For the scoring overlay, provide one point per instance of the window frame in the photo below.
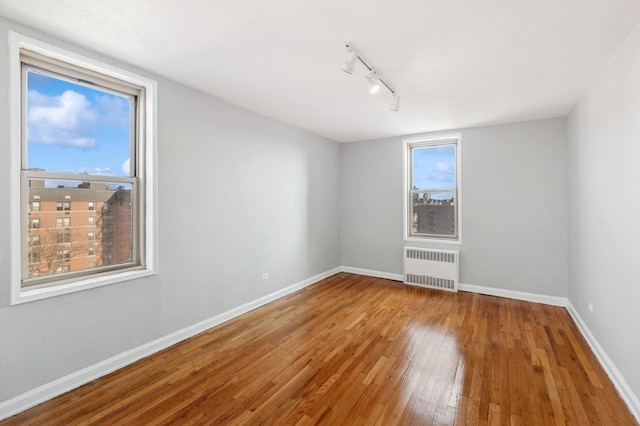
(145, 162)
(421, 142)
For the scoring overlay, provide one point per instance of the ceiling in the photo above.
(456, 63)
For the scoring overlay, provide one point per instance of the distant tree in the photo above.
(56, 248)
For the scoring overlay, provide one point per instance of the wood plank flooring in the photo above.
(355, 350)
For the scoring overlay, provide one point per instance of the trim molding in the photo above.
(491, 291)
(372, 273)
(518, 295)
(71, 381)
(609, 367)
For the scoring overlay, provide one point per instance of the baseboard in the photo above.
(491, 291)
(609, 367)
(372, 273)
(518, 295)
(64, 384)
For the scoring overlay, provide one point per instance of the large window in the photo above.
(432, 189)
(84, 136)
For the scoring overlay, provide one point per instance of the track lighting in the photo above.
(350, 63)
(374, 78)
(374, 81)
(395, 105)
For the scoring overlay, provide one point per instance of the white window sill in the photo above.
(432, 240)
(24, 296)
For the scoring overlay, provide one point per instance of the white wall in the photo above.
(514, 206)
(239, 194)
(604, 210)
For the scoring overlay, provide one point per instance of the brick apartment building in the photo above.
(434, 217)
(78, 228)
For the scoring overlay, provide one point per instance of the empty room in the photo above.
(319, 212)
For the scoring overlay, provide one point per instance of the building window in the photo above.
(432, 189)
(63, 222)
(63, 206)
(62, 269)
(63, 238)
(91, 236)
(92, 251)
(63, 255)
(91, 264)
(35, 223)
(72, 111)
(35, 240)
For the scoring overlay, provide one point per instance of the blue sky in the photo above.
(434, 167)
(75, 129)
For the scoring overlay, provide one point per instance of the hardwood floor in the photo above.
(355, 350)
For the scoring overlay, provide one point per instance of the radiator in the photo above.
(431, 268)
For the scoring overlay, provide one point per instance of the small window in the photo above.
(91, 251)
(432, 193)
(63, 238)
(84, 134)
(63, 222)
(63, 255)
(62, 269)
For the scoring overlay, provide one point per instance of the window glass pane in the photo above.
(433, 213)
(434, 167)
(69, 244)
(76, 129)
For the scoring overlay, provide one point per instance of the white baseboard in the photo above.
(64, 384)
(518, 295)
(609, 367)
(372, 273)
(510, 294)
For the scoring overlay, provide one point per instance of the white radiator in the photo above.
(431, 268)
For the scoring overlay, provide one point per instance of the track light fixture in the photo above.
(395, 105)
(350, 63)
(374, 77)
(374, 81)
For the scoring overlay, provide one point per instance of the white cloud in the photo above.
(61, 120)
(126, 167)
(442, 172)
(99, 171)
(442, 167)
(70, 119)
(112, 109)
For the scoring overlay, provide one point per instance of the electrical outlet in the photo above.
(265, 276)
(590, 307)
